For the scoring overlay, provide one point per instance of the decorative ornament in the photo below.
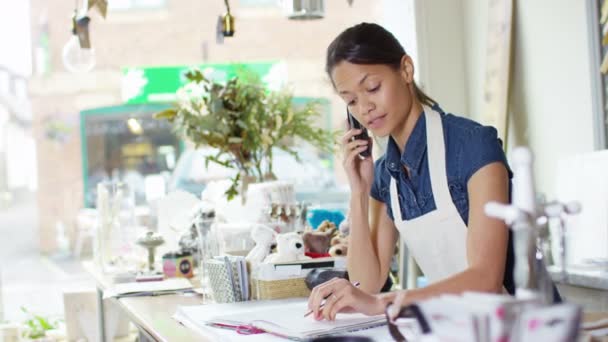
(150, 241)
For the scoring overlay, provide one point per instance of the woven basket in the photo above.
(277, 289)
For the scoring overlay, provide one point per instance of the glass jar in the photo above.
(116, 231)
(209, 247)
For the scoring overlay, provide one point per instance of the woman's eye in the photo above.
(350, 103)
(374, 89)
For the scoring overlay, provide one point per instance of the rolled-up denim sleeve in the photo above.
(482, 147)
(381, 181)
(376, 192)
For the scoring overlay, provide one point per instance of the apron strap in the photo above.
(437, 167)
(395, 205)
(436, 158)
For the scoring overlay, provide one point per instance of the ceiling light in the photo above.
(135, 126)
(77, 53)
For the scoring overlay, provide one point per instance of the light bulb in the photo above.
(77, 59)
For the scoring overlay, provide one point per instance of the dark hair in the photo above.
(368, 43)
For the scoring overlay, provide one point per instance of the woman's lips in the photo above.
(376, 122)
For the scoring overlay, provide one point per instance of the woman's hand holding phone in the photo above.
(357, 162)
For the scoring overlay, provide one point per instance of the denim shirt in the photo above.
(469, 146)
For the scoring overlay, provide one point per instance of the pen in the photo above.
(154, 293)
(355, 284)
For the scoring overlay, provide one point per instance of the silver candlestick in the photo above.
(150, 241)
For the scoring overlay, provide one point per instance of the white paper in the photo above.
(150, 287)
(284, 317)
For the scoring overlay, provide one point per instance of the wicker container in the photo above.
(287, 280)
(278, 289)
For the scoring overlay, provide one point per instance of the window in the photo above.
(126, 143)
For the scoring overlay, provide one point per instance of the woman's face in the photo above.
(379, 96)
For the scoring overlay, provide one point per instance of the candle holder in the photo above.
(150, 241)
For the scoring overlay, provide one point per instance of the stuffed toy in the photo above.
(339, 239)
(290, 247)
(317, 242)
(339, 250)
(327, 225)
(339, 245)
(263, 236)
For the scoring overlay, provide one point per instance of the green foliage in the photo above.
(244, 120)
(37, 325)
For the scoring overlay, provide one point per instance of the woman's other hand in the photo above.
(360, 172)
(395, 307)
(342, 296)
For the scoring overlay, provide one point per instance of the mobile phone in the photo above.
(354, 124)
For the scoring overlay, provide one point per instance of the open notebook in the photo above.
(279, 317)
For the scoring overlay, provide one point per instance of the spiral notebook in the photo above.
(284, 318)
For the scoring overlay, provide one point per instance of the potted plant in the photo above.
(243, 120)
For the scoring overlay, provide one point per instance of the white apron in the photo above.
(437, 240)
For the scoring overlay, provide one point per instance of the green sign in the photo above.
(159, 84)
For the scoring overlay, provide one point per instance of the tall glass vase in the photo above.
(209, 247)
(115, 234)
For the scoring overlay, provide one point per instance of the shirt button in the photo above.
(391, 165)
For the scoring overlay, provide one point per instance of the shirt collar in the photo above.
(414, 149)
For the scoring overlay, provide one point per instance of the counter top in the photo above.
(585, 276)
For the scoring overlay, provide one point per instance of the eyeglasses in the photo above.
(409, 311)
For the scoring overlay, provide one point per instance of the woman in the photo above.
(429, 187)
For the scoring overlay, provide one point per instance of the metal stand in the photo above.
(101, 324)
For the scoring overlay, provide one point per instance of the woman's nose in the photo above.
(365, 106)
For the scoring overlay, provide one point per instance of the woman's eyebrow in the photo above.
(363, 79)
(360, 82)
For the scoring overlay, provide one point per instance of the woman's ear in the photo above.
(407, 69)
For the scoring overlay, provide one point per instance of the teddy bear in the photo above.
(339, 245)
(327, 225)
(290, 247)
(317, 242)
(263, 236)
(339, 239)
(339, 250)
